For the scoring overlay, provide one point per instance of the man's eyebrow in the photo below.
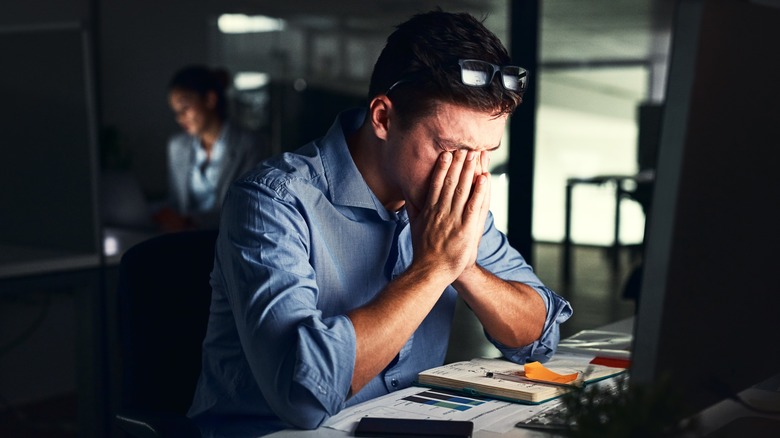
(453, 144)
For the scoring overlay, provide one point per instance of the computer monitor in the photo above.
(709, 309)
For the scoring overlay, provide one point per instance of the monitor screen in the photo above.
(709, 309)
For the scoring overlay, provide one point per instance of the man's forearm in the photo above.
(512, 313)
(383, 326)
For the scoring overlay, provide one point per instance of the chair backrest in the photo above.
(164, 299)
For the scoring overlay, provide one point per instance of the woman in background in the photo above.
(208, 155)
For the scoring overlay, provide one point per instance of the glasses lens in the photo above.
(514, 78)
(476, 73)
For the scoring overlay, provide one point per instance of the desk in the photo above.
(82, 276)
(711, 419)
(118, 240)
(622, 326)
(17, 261)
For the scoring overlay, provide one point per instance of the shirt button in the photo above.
(394, 383)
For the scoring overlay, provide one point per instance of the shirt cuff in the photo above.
(558, 311)
(326, 353)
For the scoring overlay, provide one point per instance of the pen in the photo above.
(522, 379)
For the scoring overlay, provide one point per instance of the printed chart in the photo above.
(444, 399)
(426, 403)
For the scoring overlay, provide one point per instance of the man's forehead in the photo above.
(459, 128)
(451, 143)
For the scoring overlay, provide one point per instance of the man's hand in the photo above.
(447, 230)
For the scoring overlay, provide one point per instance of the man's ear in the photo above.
(379, 111)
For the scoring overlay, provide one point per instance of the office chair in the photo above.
(164, 299)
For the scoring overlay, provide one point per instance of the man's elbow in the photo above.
(521, 335)
(302, 411)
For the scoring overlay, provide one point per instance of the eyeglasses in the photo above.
(476, 73)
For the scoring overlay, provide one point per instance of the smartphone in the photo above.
(377, 427)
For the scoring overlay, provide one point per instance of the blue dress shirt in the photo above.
(303, 241)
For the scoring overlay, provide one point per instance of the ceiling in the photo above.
(604, 30)
(572, 31)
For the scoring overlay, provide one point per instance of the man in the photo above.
(338, 266)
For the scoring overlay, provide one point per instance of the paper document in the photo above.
(426, 403)
(598, 343)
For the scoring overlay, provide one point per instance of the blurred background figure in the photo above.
(208, 154)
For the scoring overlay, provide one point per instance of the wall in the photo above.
(44, 11)
(141, 44)
(139, 51)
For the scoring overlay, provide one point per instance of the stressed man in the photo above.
(338, 266)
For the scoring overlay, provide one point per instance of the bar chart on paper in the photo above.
(427, 403)
(444, 400)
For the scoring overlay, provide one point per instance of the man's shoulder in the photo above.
(300, 167)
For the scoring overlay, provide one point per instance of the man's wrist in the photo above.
(430, 272)
(471, 275)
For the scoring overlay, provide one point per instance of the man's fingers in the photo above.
(457, 184)
(486, 202)
(438, 176)
(478, 203)
(462, 191)
(485, 161)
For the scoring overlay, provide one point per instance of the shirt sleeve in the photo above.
(302, 361)
(498, 257)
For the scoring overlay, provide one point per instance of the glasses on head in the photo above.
(476, 73)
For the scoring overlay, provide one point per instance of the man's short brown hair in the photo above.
(423, 54)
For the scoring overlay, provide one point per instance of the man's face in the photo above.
(411, 154)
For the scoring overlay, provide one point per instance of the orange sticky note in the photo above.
(537, 371)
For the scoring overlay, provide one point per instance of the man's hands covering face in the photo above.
(447, 229)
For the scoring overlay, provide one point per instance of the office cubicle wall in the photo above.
(49, 158)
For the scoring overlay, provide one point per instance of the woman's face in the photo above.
(193, 112)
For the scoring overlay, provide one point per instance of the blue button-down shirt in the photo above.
(303, 241)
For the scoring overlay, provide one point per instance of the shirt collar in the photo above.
(346, 185)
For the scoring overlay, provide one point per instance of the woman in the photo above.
(210, 153)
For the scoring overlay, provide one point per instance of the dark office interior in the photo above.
(87, 158)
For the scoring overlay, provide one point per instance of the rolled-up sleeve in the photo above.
(301, 361)
(542, 349)
(497, 256)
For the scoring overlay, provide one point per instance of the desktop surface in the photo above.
(503, 427)
(22, 261)
(720, 420)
